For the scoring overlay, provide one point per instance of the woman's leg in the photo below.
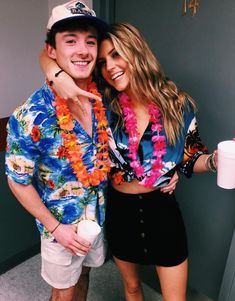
(131, 280)
(173, 281)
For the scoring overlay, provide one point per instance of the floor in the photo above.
(23, 283)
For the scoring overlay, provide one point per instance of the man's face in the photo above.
(76, 53)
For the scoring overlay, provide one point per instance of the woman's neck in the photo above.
(136, 101)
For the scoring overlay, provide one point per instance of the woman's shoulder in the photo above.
(189, 109)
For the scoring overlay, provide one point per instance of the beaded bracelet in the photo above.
(55, 227)
(56, 75)
(210, 163)
(206, 163)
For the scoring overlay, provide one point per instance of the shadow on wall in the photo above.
(18, 232)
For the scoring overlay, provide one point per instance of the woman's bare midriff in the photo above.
(133, 187)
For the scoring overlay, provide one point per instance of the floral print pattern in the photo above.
(36, 155)
(182, 156)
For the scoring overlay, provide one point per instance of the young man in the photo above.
(57, 158)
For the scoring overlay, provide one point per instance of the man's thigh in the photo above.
(61, 269)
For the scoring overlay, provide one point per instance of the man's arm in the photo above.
(31, 201)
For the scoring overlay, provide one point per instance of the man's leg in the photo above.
(74, 293)
(62, 294)
(65, 273)
(81, 288)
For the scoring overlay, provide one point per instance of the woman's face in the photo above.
(114, 68)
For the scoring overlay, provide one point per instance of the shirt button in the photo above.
(142, 234)
(141, 210)
(145, 250)
(142, 221)
(140, 197)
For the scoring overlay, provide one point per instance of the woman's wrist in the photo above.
(56, 74)
(210, 163)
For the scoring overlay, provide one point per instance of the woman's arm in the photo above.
(206, 163)
(48, 65)
(63, 84)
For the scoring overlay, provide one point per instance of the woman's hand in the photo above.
(172, 184)
(65, 86)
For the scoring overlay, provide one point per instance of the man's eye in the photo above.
(92, 43)
(71, 42)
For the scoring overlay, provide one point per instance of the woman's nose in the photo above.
(110, 64)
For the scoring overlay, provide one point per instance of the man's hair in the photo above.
(71, 25)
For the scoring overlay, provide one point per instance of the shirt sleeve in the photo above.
(21, 152)
(193, 146)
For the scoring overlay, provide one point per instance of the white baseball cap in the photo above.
(76, 10)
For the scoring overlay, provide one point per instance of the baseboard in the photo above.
(18, 258)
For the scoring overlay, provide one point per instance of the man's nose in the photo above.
(82, 49)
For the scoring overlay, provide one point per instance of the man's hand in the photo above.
(67, 236)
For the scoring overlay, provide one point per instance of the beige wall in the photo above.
(22, 34)
(52, 3)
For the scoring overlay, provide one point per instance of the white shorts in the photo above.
(61, 269)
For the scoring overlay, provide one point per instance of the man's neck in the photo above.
(82, 104)
(82, 84)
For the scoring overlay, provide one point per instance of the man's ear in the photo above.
(51, 51)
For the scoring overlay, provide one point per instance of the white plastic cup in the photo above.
(226, 164)
(89, 230)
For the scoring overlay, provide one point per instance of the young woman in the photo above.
(155, 133)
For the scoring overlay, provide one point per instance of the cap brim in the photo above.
(101, 26)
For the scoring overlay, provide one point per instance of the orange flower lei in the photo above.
(73, 150)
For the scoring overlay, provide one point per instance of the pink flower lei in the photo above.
(159, 143)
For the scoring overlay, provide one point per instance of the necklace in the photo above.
(159, 144)
(71, 148)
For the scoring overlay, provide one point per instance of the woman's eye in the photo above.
(115, 54)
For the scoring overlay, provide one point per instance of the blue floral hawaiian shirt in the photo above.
(35, 156)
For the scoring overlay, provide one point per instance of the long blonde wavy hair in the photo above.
(147, 80)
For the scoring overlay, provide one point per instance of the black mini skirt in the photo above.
(146, 228)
